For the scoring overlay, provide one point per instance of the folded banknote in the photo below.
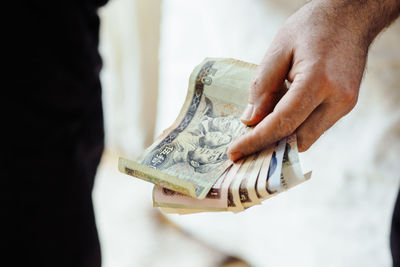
(188, 163)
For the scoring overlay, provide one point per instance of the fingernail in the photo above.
(248, 113)
(236, 155)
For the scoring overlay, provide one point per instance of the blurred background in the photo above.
(341, 217)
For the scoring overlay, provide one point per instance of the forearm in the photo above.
(367, 17)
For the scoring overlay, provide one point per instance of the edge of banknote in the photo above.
(156, 177)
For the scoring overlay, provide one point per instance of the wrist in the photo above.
(366, 19)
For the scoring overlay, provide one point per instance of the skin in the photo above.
(322, 50)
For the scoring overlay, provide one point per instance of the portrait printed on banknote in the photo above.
(203, 144)
(193, 150)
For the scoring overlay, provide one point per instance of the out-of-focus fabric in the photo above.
(129, 47)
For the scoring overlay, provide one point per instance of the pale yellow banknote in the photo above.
(190, 155)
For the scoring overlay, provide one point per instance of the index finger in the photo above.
(290, 112)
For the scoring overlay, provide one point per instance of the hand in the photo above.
(322, 51)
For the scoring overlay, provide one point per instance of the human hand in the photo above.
(322, 50)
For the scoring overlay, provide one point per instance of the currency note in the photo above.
(262, 178)
(274, 174)
(244, 193)
(183, 211)
(216, 199)
(191, 155)
(290, 177)
(234, 199)
(292, 173)
(248, 192)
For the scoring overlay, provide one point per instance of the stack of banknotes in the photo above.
(188, 163)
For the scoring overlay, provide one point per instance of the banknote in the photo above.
(261, 184)
(215, 199)
(190, 155)
(248, 191)
(183, 211)
(235, 201)
(292, 173)
(188, 162)
(249, 183)
(246, 198)
(274, 175)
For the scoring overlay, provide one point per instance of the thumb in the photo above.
(266, 88)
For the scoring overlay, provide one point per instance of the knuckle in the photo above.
(302, 143)
(262, 98)
(257, 138)
(259, 114)
(325, 85)
(348, 96)
(285, 126)
(351, 105)
(255, 85)
(302, 146)
(342, 95)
